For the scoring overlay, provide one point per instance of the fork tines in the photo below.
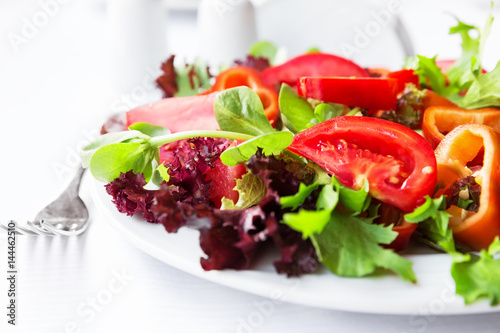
(30, 229)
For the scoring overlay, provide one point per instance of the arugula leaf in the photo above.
(251, 188)
(240, 110)
(271, 143)
(149, 129)
(349, 246)
(296, 111)
(264, 49)
(477, 276)
(310, 222)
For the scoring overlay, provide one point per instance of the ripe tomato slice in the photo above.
(311, 64)
(369, 93)
(398, 163)
(223, 180)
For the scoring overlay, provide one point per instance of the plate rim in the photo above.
(251, 281)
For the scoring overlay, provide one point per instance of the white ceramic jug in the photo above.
(226, 30)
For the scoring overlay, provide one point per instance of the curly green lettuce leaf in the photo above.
(310, 222)
(433, 223)
(296, 200)
(350, 246)
(465, 75)
(163, 172)
(251, 190)
(476, 276)
(430, 75)
(354, 200)
(484, 91)
(468, 67)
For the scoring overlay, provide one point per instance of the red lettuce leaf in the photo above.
(283, 178)
(168, 80)
(229, 238)
(258, 63)
(189, 161)
(129, 195)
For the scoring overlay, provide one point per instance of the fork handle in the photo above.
(74, 185)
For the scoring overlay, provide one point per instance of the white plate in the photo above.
(433, 295)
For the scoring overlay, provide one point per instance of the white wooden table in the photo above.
(54, 93)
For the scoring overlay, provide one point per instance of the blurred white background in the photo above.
(60, 78)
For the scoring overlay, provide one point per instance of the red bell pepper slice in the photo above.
(368, 93)
(403, 77)
(311, 64)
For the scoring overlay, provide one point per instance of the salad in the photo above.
(334, 164)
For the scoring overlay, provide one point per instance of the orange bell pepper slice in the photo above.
(433, 99)
(246, 76)
(458, 148)
(439, 120)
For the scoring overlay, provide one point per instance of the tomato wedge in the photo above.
(398, 163)
(311, 64)
(223, 180)
(368, 93)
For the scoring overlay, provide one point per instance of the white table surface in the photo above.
(54, 93)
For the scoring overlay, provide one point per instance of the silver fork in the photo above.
(65, 216)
